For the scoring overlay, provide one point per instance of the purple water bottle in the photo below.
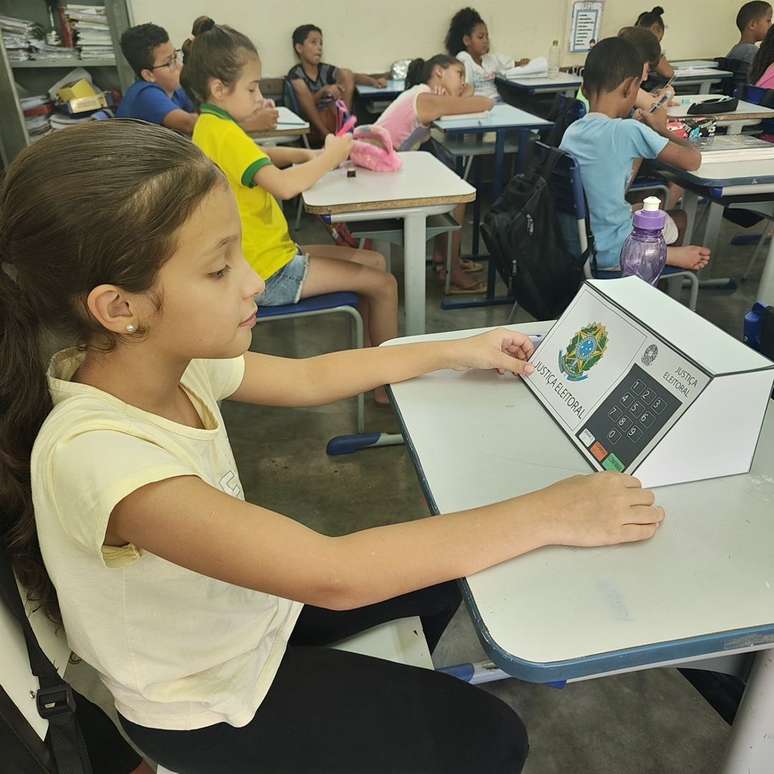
(644, 252)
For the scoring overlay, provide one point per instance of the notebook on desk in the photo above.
(734, 147)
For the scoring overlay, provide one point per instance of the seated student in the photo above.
(318, 85)
(654, 21)
(205, 615)
(753, 21)
(607, 145)
(468, 40)
(222, 73)
(156, 95)
(762, 70)
(436, 88)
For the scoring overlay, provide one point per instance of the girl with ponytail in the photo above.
(654, 21)
(123, 510)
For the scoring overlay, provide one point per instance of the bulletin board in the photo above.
(585, 25)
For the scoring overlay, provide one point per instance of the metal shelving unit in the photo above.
(36, 76)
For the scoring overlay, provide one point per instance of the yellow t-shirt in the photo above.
(178, 650)
(266, 241)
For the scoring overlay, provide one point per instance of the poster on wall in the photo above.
(586, 25)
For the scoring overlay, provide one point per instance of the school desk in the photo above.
(701, 77)
(564, 83)
(288, 125)
(745, 114)
(424, 186)
(386, 93)
(724, 183)
(501, 120)
(703, 587)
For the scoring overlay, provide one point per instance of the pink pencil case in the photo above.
(372, 149)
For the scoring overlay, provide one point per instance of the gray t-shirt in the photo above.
(744, 51)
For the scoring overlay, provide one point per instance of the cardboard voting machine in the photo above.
(641, 384)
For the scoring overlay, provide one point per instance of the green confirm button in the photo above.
(613, 463)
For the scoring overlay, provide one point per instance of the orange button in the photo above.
(599, 451)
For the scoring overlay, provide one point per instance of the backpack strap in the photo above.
(54, 699)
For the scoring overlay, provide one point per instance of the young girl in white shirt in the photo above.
(468, 40)
(123, 511)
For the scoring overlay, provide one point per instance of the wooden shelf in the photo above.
(32, 64)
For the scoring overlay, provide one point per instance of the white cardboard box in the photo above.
(641, 384)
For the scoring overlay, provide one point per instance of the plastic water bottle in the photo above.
(644, 252)
(553, 60)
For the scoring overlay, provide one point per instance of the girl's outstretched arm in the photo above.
(314, 381)
(194, 525)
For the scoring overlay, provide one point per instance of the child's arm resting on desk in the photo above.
(314, 381)
(282, 156)
(180, 120)
(430, 107)
(677, 152)
(287, 183)
(194, 525)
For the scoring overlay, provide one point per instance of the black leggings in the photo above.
(331, 711)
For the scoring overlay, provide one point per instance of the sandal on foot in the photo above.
(471, 266)
(473, 290)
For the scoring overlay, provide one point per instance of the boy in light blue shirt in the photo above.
(609, 148)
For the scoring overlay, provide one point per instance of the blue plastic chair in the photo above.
(336, 303)
(570, 205)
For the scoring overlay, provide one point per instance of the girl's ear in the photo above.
(112, 308)
(466, 41)
(217, 88)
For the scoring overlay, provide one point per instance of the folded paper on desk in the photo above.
(537, 68)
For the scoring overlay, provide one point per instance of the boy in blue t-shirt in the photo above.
(156, 96)
(609, 148)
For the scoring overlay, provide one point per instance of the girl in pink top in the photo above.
(436, 88)
(762, 69)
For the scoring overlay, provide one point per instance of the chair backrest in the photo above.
(289, 97)
(565, 111)
(739, 69)
(757, 95)
(570, 204)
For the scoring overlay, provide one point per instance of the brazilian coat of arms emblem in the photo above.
(584, 351)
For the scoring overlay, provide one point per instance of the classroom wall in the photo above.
(368, 36)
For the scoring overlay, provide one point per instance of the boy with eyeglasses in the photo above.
(156, 96)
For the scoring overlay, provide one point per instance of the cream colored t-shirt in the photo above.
(178, 650)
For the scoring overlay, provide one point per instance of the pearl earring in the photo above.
(131, 328)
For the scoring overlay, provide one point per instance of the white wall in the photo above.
(368, 36)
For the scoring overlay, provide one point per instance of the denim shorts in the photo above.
(284, 286)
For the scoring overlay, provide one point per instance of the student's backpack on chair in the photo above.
(22, 751)
(523, 237)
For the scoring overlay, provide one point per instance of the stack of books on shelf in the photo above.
(18, 35)
(37, 115)
(90, 30)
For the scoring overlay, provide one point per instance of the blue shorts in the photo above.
(284, 286)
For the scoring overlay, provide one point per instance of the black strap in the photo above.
(54, 698)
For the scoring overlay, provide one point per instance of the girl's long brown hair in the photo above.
(93, 204)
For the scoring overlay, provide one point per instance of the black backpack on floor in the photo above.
(21, 750)
(523, 237)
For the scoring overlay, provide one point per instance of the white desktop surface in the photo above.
(421, 178)
(391, 88)
(709, 570)
(501, 116)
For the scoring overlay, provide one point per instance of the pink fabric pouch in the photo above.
(372, 149)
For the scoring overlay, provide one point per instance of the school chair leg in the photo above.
(764, 236)
(299, 213)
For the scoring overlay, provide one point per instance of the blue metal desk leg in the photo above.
(348, 444)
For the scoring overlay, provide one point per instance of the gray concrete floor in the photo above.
(649, 722)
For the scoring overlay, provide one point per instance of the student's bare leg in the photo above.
(459, 276)
(694, 257)
(333, 268)
(309, 108)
